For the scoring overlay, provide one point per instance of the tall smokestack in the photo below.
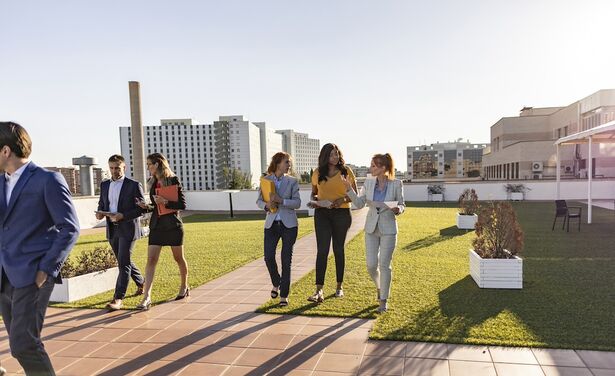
(136, 131)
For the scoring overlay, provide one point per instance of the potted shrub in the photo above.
(435, 192)
(494, 261)
(91, 273)
(468, 207)
(516, 192)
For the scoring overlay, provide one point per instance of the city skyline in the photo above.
(341, 72)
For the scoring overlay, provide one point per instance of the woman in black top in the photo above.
(165, 229)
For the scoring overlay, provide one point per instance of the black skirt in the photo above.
(173, 237)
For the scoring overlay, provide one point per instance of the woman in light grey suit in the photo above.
(282, 223)
(381, 224)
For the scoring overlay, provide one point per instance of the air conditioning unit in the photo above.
(537, 166)
(537, 176)
(568, 169)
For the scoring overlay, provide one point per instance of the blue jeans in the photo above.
(273, 235)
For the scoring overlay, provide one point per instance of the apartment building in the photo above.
(522, 147)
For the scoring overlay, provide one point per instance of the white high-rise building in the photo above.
(188, 147)
(271, 143)
(243, 150)
(303, 149)
(200, 153)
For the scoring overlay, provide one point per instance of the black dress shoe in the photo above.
(181, 296)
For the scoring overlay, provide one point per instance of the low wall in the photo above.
(486, 190)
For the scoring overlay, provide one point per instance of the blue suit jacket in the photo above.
(38, 227)
(129, 227)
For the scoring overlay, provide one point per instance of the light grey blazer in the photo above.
(289, 191)
(385, 220)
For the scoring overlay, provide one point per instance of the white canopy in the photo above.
(602, 134)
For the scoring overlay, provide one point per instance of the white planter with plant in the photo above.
(516, 196)
(435, 192)
(91, 273)
(83, 286)
(468, 206)
(493, 261)
(516, 192)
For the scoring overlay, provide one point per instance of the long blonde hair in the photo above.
(163, 169)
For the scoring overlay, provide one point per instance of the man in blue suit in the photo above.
(38, 228)
(118, 202)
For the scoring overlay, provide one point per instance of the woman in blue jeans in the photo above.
(280, 223)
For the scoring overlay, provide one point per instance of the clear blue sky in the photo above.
(371, 76)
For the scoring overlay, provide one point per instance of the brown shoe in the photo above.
(115, 305)
(139, 290)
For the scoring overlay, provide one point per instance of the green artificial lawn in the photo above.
(213, 244)
(567, 300)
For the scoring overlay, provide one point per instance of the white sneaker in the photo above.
(339, 293)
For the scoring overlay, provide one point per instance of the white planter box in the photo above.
(437, 197)
(82, 286)
(496, 273)
(466, 222)
(516, 196)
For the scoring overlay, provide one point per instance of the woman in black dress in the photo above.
(165, 229)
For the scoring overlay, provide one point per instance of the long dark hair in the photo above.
(323, 162)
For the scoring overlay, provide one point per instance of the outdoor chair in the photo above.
(563, 210)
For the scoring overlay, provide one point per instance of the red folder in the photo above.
(169, 192)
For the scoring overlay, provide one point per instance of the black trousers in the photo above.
(331, 224)
(23, 312)
(123, 251)
(273, 235)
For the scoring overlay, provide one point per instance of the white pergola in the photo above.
(602, 134)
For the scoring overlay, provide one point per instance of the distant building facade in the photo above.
(447, 161)
(523, 147)
(302, 148)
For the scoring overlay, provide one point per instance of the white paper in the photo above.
(391, 204)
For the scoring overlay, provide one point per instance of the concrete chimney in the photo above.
(86, 175)
(136, 133)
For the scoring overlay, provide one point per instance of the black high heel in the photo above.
(185, 294)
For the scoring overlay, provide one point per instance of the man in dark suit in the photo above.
(38, 229)
(118, 202)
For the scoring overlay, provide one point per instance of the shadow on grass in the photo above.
(445, 234)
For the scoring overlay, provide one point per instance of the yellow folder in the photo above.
(267, 189)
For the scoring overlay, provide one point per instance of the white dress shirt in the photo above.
(114, 193)
(11, 181)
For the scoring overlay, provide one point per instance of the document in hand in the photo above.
(105, 213)
(383, 205)
(170, 192)
(322, 203)
(267, 189)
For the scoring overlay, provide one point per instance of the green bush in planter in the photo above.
(95, 260)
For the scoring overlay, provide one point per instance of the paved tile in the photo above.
(426, 367)
(521, 355)
(506, 369)
(381, 365)
(598, 359)
(200, 369)
(428, 350)
(258, 357)
(464, 368)
(339, 363)
(565, 371)
(385, 348)
(469, 353)
(602, 372)
(553, 357)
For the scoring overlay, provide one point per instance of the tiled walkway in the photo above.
(216, 332)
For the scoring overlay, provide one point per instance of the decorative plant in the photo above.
(100, 258)
(468, 202)
(435, 189)
(498, 233)
(516, 188)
